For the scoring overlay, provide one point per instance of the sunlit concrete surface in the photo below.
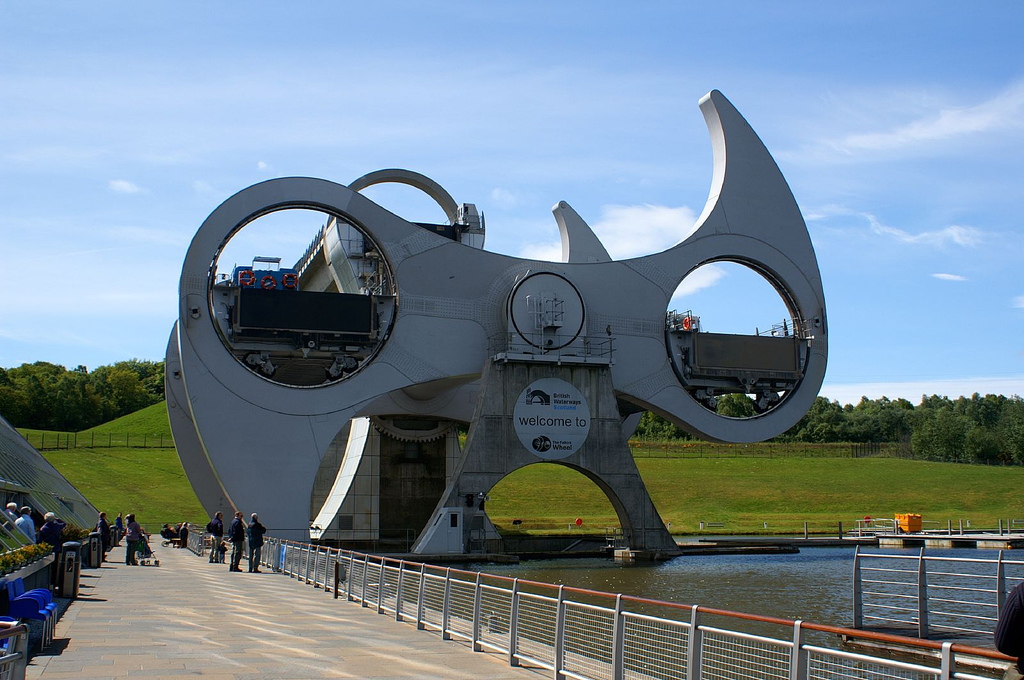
(188, 617)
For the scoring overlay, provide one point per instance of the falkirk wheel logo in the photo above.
(551, 418)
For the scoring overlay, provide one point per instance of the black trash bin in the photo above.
(69, 573)
(93, 554)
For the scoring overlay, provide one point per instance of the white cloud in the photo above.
(123, 186)
(628, 231)
(949, 277)
(503, 198)
(699, 279)
(201, 187)
(1000, 113)
(262, 165)
(1018, 302)
(546, 252)
(634, 230)
(913, 391)
(955, 234)
(952, 235)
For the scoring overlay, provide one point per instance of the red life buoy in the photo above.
(290, 280)
(268, 282)
(246, 277)
(687, 323)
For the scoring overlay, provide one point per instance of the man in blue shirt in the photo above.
(25, 524)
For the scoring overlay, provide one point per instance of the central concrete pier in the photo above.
(188, 617)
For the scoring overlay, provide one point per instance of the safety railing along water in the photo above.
(591, 635)
(930, 594)
(13, 652)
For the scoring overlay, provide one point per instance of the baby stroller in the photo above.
(145, 554)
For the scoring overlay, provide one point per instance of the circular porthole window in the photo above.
(301, 297)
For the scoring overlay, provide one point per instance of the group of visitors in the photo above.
(26, 521)
(238, 533)
(177, 535)
(21, 519)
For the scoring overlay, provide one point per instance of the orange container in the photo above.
(909, 522)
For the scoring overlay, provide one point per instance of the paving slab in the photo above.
(191, 618)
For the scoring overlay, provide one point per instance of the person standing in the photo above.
(1009, 633)
(236, 534)
(11, 512)
(255, 534)
(25, 524)
(133, 537)
(103, 526)
(50, 532)
(215, 527)
(118, 529)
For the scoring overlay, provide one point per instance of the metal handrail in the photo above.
(980, 596)
(589, 634)
(14, 658)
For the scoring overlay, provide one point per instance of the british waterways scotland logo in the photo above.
(551, 418)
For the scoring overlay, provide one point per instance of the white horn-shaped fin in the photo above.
(749, 196)
(579, 242)
(750, 218)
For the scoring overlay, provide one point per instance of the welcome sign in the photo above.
(551, 418)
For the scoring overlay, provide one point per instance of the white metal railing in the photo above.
(931, 594)
(590, 635)
(541, 347)
(13, 652)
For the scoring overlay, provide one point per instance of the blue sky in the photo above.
(899, 126)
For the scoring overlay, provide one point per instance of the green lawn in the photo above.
(742, 492)
(151, 421)
(148, 482)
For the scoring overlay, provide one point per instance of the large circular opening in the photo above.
(301, 297)
(736, 345)
(549, 498)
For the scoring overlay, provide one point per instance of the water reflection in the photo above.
(813, 585)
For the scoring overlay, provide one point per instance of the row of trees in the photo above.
(973, 429)
(46, 396)
(967, 429)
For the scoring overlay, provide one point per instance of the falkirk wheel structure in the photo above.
(326, 395)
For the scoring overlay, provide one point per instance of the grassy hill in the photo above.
(746, 493)
(743, 493)
(151, 421)
(147, 481)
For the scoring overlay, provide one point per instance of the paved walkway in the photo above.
(188, 617)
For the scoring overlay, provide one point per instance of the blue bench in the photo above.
(36, 604)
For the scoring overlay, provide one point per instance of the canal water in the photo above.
(813, 585)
